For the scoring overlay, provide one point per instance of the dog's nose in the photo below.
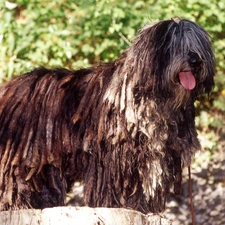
(194, 60)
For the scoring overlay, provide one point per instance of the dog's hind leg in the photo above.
(51, 188)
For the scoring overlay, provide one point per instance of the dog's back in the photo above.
(36, 140)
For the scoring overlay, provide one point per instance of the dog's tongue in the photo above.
(187, 80)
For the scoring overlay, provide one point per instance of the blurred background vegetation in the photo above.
(80, 33)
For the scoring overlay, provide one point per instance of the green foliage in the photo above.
(73, 34)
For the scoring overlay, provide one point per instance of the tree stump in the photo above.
(80, 216)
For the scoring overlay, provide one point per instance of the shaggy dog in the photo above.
(125, 128)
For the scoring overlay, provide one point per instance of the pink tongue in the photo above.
(187, 80)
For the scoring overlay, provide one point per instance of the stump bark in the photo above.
(80, 216)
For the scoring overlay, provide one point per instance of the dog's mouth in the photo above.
(187, 80)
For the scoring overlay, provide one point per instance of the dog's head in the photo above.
(178, 56)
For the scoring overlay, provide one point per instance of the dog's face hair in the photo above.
(166, 49)
(126, 128)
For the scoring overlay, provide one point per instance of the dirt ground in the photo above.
(208, 184)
